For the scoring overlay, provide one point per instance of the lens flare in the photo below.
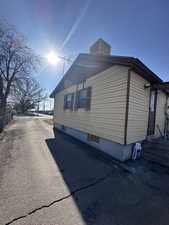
(52, 58)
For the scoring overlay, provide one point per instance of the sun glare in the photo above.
(52, 58)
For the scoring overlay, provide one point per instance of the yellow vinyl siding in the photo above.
(106, 117)
(160, 112)
(138, 109)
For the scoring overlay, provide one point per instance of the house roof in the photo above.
(87, 65)
(163, 86)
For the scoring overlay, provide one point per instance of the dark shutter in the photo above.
(77, 100)
(65, 102)
(88, 100)
(72, 101)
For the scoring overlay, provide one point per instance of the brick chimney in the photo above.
(100, 47)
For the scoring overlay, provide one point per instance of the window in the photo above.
(68, 101)
(94, 138)
(83, 98)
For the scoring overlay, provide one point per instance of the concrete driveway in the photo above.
(51, 178)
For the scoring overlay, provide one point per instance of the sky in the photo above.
(69, 27)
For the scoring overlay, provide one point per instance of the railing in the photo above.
(5, 118)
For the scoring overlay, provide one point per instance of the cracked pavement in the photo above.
(59, 181)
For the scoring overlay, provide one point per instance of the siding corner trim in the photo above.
(127, 105)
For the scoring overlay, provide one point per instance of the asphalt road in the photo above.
(48, 178)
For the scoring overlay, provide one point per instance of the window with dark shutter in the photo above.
(83, 98)
(88, 100)
(69, 101)
(65, 102)
(72, 101)
(77, 100)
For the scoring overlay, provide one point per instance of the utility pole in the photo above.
(50, 104)
(38, 104)
(44, 104)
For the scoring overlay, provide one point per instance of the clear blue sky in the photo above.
(132, 27)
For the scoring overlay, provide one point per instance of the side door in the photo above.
(152, 112)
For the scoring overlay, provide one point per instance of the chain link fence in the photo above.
(5, 119)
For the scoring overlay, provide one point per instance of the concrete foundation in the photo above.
(117, 151)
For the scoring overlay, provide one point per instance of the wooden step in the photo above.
(161, 160)
(156, 150)
(153, 144)
(157, 155)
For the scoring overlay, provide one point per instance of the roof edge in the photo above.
(135, 63)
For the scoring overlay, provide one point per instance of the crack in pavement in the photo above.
(99, 180)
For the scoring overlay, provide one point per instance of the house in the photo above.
(110, 102)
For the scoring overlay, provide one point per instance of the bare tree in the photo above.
(16, 61)
(27, 94)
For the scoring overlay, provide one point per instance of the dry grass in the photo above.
(10, 124)
(3, 133)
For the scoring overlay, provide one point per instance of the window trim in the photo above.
(82, 99)
(68, 104)
(87, 99)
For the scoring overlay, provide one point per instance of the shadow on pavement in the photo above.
(103, 193)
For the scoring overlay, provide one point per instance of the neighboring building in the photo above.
(110, 102)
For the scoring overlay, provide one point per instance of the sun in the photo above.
(52, 58)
